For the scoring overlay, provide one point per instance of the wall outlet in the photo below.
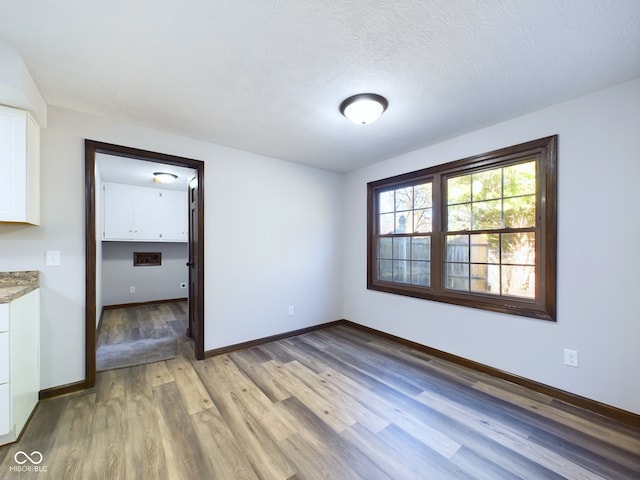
(291, 310)
(571, 357)
(52, 258)
(132, 289)
(183, 285)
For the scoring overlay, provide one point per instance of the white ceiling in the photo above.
(268, 76)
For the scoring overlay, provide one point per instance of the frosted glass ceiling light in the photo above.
(364, 108)
(163, 177)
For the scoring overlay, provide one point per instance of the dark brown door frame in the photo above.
(92, 147)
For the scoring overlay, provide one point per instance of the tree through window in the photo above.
(479, 232)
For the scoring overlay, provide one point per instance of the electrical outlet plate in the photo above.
(53, 258)
(571, 357)
(291, 310)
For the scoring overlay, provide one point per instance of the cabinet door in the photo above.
(146, 215)
(4, 317)
(118, 209)
(174, 215)
(5, 409)
(19, 167)
(4, 357)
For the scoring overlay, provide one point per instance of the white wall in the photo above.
(272, 239)
(160, 282)
(598, 258)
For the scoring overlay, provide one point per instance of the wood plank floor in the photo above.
(127, 324)
(335, 403)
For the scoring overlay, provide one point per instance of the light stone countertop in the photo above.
(14, 285)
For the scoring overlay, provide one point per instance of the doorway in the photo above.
(196, 244)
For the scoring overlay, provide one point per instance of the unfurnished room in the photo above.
(311, 240)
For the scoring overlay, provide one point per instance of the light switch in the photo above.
(53, 258)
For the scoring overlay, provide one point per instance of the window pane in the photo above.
(519, 248)
(423, 220)
(404, 222)
(401, 248)
(457, 276)
(422, 196)
(384, 247)
(519, 281)
(385, 223)
(459, 217)
(385, 269)
(485, 279)
(479, 277)
(404, 199)
(487, 185)
(520, 179)
(401, 271)
(459, 189)
(520, 212)
(385, 201)
(485, 248)
(487, 215)
(421, 248)
(457, 248)
(421, 273)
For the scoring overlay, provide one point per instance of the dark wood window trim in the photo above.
(543, 305)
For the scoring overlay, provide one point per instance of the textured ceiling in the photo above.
(268, 76)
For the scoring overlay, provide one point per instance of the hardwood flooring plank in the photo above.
(316, 441)
(508, 437)
(276, 351)
(608, 463)
(185, 459)
(106, 459)
(253, 426)
(145, 456)
(480, 467)
(158, 374)
(194, 394)
(67, 456)
(337, 403)
(222, 377)
(324, 411)
(109, 385)
(341, 401)
(607, 434)
(249, 361)
(225, 456)
(387, 452)
(428, 461)
(402, 411)
(374, 366)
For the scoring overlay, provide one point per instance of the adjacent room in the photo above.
(300, 240)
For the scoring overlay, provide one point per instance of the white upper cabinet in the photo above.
(144, 214)
(19, 167)
(174, 219)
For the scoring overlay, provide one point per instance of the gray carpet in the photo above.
(138, 352)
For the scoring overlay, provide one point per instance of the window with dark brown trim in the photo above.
(478, 232)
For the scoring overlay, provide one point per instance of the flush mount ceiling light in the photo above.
(364, 108)
(163, 177)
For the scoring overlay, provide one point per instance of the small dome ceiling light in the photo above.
(364, 108)
(164, 177)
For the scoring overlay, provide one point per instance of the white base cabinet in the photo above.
(19, 363)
